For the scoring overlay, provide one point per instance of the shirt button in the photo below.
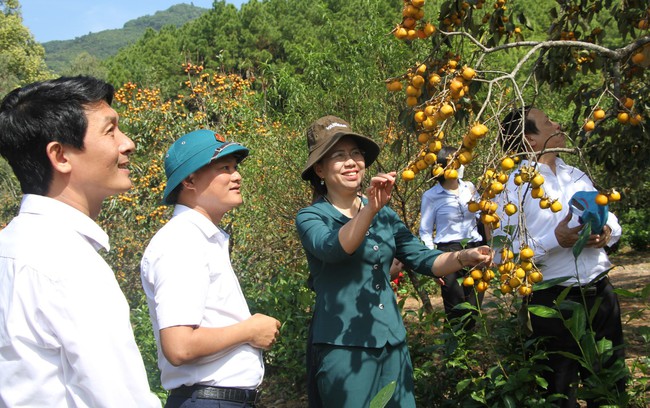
(381, 306)
(375, 267)
(376, 248)
(377, 286)
(367, 233)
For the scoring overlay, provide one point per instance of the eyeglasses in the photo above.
(222, 147)
(343, 156)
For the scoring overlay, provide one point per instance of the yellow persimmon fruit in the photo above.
(408, 175)
(413, 91)
(430, 158)
(627, 102)
(636, 120)
(419, 116)
(394, 86)
(518, 180)
(537, 192)
(468, 281)
(510, 209)
(435, 146)
(429, 29)
(476, 274)
(505, 288)
(535, 277)
(614, 196)
(507, 163)
(623, 117)
(468, 73)
(638, 58)
(589, 126)
(446, 110)
(526, 253)
(537, 181)
(556, 206)
(437, 171)
(417, 81)
(451, 174)
(434, 79)
(482, 286)
(520, 273)
(601, 199)
(465, 157)
(514, 282)
(599, 114)
(424, 137)
(400, 33)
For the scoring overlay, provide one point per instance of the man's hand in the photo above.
(566, 236)
(265, 329)
(599, 241)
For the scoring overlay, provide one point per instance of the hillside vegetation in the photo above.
(59, 55)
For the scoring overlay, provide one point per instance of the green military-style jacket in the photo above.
(355, 304)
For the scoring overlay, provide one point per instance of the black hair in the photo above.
(510, 134)
(43, 112)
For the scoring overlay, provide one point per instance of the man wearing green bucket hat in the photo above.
(209, 345)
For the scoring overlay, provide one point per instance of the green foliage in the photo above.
(635, 223)
(21, 57)
(142, 330)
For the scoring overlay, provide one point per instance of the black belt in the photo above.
(216, 393)
(589, 290)
(456, 246)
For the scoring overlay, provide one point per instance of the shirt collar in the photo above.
(541, 166)
(201, 221)
(73, 218)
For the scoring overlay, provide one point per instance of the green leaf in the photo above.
(383, 396)
(544, 311)
(582, 240)
(578, 320)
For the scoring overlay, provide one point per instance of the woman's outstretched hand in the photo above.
(380, 190)
(481, 256)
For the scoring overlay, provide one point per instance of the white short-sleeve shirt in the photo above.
(189, 281)
(65, 332)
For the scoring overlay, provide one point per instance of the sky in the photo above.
(67, 19)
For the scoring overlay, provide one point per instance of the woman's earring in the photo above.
(322, 182)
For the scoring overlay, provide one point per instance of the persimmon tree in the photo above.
(587, 68)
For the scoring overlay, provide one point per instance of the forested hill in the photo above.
(60, 54)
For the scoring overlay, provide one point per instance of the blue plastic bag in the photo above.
(583, 204)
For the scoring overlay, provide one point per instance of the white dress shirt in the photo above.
(189, 281)
(65, 334)
(446, 213)
(553, 260)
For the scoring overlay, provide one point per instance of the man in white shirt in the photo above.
(209, 345)
(447, 224)
(65, 333)
(552, 237)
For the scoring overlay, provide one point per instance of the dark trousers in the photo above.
(565, 372)
(454, 293)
